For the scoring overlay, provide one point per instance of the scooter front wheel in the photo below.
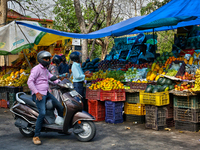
(88, 133)
(26, 133)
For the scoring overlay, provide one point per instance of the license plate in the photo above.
(73, 93)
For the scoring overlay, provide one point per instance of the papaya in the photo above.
(157, 77)
(153, 66)
(185, 60)
(191, 60)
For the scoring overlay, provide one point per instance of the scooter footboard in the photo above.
(82, 116)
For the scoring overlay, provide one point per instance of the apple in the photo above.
(186, 73)
(184, 77)
(176, 86)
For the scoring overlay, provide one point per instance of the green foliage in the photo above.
(165, 38)
(65, 19)
(152, 6)
(165, 41)
(117, 75)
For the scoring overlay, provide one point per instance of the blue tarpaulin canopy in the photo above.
(184, 10)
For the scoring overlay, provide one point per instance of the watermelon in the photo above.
(164, 87)
(155, 90)
(83, 64)
(159, 81)
(168, 82)
(171, 87)
(163, 81)
(95, 60)
(87, 60)
(159, 87)
(149, 89)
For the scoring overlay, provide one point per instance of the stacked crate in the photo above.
(187, 112)
(95, 107)
(156, 109)
(3, 97)
(133, 110)
(113, 105)
(170, 112)
(12, 91)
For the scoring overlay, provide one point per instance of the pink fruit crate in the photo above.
(113, 95)
(93, 94)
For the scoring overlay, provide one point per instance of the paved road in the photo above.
(108, 136)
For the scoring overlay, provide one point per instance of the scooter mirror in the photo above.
(53, 78)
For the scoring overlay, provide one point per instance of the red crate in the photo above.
(96, 109)
(93, 94)
(113, 95)
(3, 103)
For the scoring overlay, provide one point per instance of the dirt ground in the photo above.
(108, 136)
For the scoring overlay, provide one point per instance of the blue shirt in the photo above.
(77, 72)
(63, 68)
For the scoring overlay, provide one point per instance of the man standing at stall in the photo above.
(77, 72)
(63, 67)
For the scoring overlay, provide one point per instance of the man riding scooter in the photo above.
(38, 84)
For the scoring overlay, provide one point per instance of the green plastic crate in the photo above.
(192, 102)
(132, 97)
(12, 99)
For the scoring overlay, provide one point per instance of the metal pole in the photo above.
(23, 50)
(154, 42)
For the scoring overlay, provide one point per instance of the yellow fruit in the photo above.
(191, 60)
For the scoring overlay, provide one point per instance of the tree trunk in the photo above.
(84, 49)
(93, 48)
(104, 52)
(3, 12)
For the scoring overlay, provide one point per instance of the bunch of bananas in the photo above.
(100, 74)
(197, 81)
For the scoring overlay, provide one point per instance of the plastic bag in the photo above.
(59, 120)
(187, 56)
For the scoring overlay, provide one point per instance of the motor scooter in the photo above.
(25, 113)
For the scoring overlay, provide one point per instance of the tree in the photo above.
(152, 6)
(36, 7)
(3, 12)
(65, 19)
(90, 23)
(165, 38)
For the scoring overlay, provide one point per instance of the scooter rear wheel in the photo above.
(26, 133)
(89, 131)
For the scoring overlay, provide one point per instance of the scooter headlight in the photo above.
(70, 85)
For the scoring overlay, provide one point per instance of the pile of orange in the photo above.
(170, 59)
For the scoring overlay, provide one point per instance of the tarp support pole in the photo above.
(154, 42)
(5, 63)
(23, 50)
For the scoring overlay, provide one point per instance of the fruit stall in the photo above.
(161, 93)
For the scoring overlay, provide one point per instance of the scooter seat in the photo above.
(28, 100)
